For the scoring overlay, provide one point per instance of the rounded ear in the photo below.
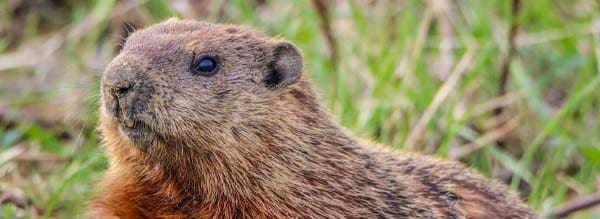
(286, 66)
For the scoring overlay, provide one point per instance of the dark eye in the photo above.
(205, 66)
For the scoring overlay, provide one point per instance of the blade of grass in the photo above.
(568, 108)
(418, 130)
(72, 173)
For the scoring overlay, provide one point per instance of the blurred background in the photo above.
(509, 87)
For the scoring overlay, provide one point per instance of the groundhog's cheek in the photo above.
(182, 109)
(158, 102)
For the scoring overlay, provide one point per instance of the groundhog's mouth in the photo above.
(139, 133)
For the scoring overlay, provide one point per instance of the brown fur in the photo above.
(233, 146)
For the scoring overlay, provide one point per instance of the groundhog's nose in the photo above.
(118, 82)
(118, 86)
(119, 76)
(121, 86)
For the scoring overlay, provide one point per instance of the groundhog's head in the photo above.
(179, 80)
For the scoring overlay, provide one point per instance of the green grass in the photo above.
(394, 58)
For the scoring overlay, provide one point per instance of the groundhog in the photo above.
(203, 120)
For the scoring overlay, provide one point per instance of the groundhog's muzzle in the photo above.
(125, 93)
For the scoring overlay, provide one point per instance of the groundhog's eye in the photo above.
(206, 66)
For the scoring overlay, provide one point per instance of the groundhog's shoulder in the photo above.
(450, 184)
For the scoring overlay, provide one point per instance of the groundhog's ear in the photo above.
(286, 66)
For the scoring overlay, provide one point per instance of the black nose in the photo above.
(119, 85)
(126, 88)
(119, 78)
(117, 96)
(121, 90)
